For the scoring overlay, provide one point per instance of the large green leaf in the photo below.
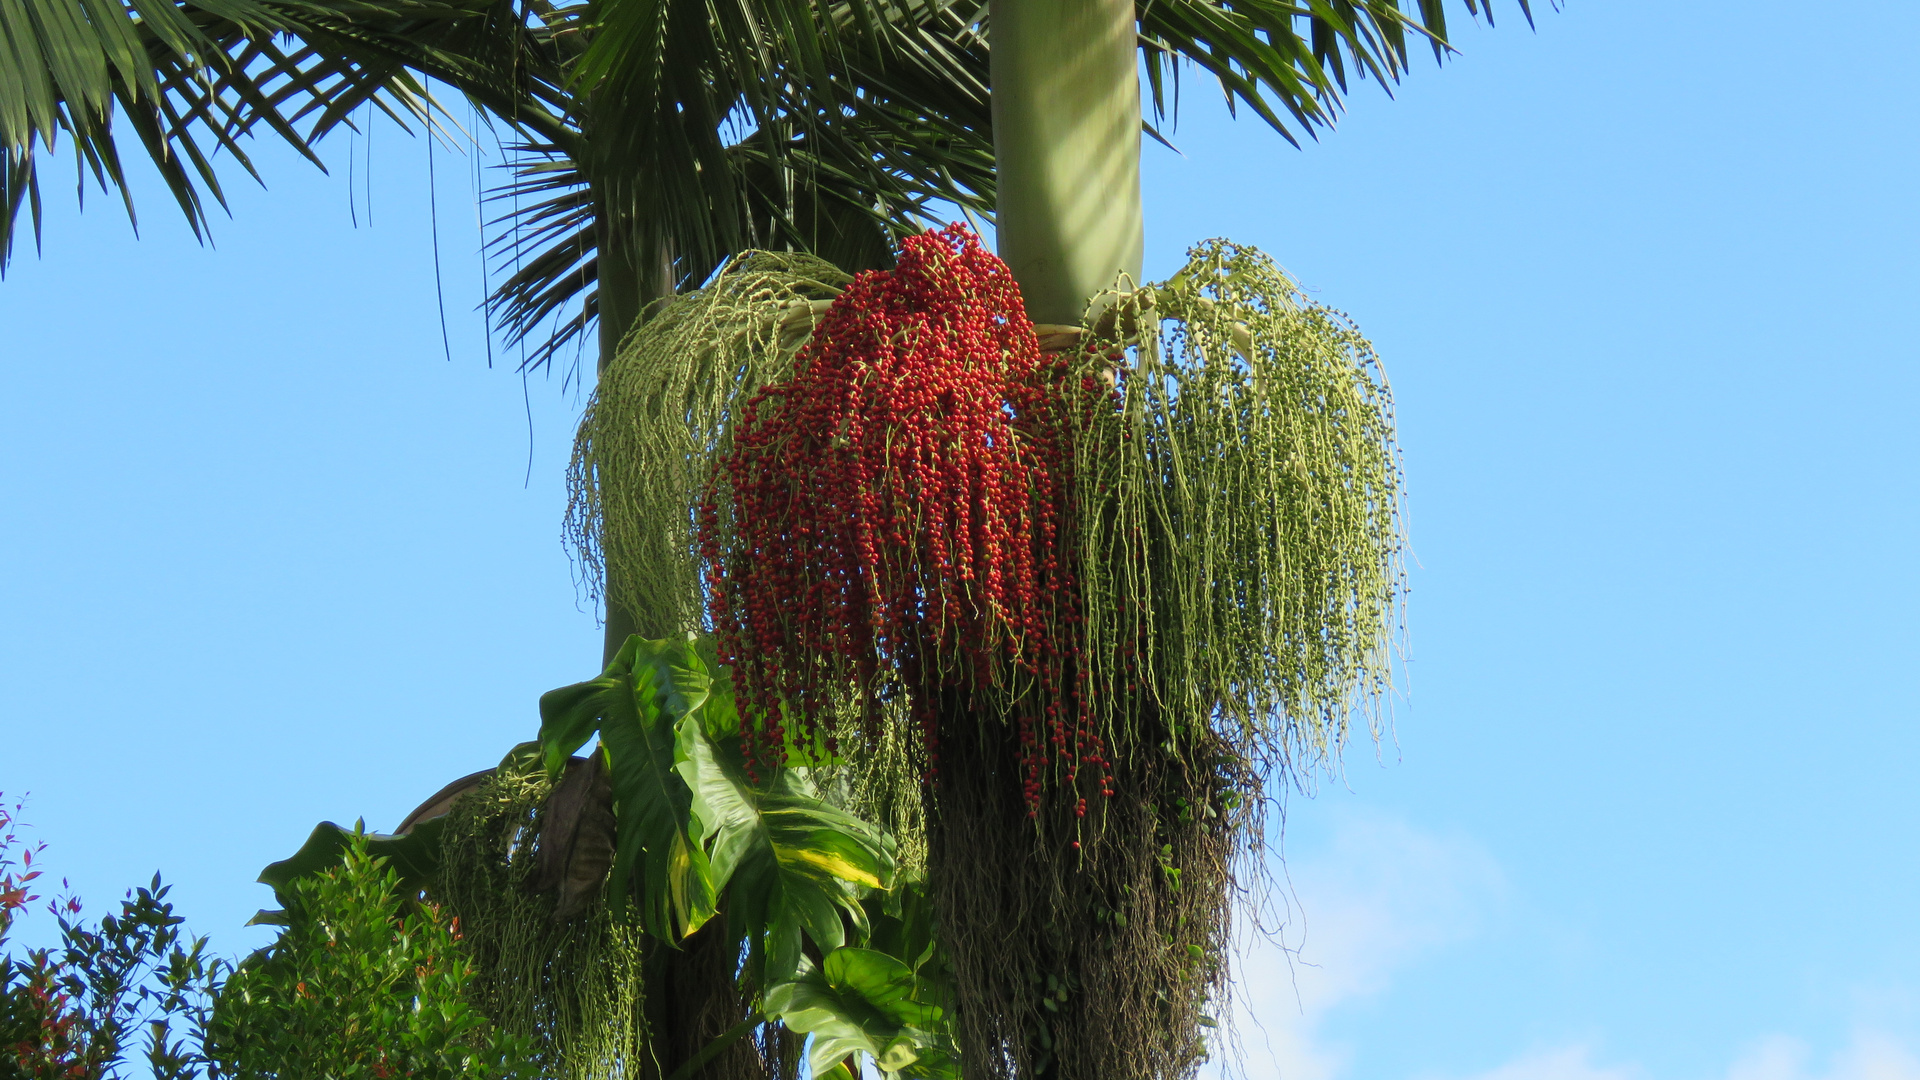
(902, 927)
(792, 863)
(634, 706)
(694, 824)
(573, 714)
(415, 857)
(862, 1001)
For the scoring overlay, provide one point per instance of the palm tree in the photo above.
(652, 139)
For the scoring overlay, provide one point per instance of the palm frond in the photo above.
(194, 79)
(691, 129)
(1289, 61)
(175, 73)
(546, 240)
(707, 129)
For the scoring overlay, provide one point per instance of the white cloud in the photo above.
(1378, 896)
(1871, 1055)
(1775, 1057)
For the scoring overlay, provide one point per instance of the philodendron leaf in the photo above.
(693, 822)
(786, 820)
(839, 1028)
(571, 715)
(635, 706)
(882, 981)
(791, 862)
(652, 803)
(415, 857)
(859, 1001)
(902, 919)
(935, 1063)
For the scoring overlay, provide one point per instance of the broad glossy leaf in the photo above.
(840, 1028)
(651, 802)
(882, 981)
(634, 707)
(790, 863)
(693, 824)
(858, 1001)
(415, 857)
(935, 1063)
(902, 926)
(573, 714)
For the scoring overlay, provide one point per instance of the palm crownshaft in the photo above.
(1066, 109)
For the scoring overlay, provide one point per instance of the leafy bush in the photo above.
(70, 1013)
(362, 985)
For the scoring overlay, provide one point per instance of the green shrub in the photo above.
(71, 1013)
(363, 984)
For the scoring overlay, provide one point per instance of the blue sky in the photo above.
(1644, 281)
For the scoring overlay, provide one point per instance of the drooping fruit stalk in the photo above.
(663, 415)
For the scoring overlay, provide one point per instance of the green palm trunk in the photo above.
(619, 307)
(1066, 126)
(1066, 141)
(625, 286)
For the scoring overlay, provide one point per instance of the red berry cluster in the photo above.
(896, 511)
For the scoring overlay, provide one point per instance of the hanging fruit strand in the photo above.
(890, 517)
